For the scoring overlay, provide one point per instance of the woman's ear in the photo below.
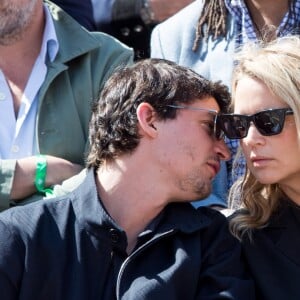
(146, 116)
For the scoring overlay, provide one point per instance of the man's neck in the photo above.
(129, 198)
(17, 59)
(25, 50)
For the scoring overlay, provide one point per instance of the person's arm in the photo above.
(223, 274)
(58, 170)
(17, 176)
(7, 168)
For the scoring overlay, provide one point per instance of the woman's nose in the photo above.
(253, 137)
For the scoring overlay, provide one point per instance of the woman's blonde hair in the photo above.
(277, 65)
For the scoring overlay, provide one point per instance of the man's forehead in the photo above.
(208, 102)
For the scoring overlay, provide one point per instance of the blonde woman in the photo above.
(266, 119)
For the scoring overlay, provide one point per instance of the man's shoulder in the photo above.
(50, 214)
(25, 219)
(216, 218)
(189, 218)
(218, 224)
(211, 213)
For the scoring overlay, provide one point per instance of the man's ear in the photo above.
(146, 116)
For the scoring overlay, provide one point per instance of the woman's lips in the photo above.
(260, 161)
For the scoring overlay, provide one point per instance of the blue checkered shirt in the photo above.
(246, 32)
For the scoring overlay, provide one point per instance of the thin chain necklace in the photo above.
(266, 33)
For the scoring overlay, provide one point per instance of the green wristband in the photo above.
(40, 175)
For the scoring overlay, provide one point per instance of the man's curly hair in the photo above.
(113, 126)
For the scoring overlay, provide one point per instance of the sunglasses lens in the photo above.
(234, 126)
(269, 122)
(219, 132)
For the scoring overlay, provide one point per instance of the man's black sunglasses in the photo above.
(268, 122)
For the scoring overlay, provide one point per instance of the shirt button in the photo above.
(114, 236)
(2, 96)
(15, 148)
(138, 28)
(125, 31)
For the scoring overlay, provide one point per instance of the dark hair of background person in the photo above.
(212, 20)
(214, 17)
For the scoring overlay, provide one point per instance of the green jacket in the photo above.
(74, 79)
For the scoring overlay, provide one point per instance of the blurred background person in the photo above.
(130, 21)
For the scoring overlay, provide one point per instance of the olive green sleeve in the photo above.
(7, 170)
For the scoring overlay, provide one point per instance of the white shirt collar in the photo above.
(50, 44)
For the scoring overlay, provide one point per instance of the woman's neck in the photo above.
(267, 16)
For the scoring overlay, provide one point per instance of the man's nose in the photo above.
(222, 150)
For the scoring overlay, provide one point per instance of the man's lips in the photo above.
(215, 166)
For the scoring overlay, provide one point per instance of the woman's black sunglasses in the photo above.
(268, 122)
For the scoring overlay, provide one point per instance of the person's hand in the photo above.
(58, 170)
(164, 9)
